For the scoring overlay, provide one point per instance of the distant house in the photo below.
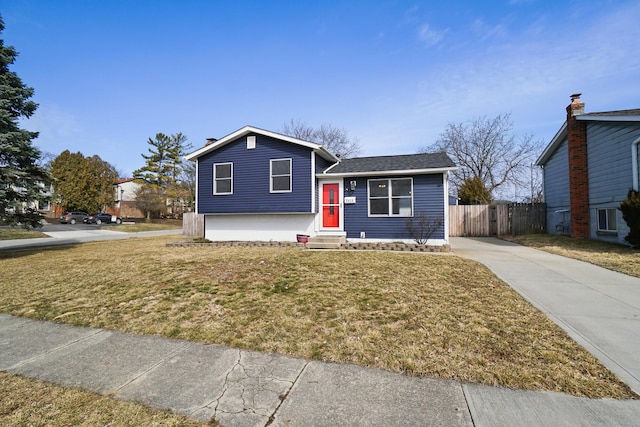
(255, 184)
(125, 199)
(588, 168)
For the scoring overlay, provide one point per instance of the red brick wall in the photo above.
(578, 175)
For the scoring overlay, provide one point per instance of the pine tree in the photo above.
(163, 166)
(23, 183)
(158, 168)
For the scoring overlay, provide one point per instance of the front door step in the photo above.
(326, 242)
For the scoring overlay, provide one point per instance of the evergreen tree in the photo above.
(158, 168)
(630, 208)
(23, 183)
(473, 192)
(163, 166)
(83, 183)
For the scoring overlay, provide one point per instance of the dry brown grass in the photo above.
(27, 402)
(142, 226)
(620, 258)
(421, 314)
(11, 233)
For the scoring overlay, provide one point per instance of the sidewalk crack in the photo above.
(284, 395)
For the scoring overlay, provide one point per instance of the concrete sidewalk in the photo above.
(244, 388)
(598, 308)
(78, 236)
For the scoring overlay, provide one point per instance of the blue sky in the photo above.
(108, 75)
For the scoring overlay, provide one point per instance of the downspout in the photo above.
(634, 163)
(445, 182)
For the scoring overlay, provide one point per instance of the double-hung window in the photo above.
(280, 170)
(223, 178)
(391, 197)
(607, 220)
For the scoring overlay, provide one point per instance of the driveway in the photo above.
(598, 308)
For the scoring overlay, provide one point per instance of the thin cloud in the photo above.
(484, 31)
(429, 36)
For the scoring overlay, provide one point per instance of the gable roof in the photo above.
(323, 152)
(391, 165)
(632, 115)
(618, 115)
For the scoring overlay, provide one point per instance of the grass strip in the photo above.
(621, 258)
(14, 233)
(27, 402)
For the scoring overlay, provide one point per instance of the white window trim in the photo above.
(615, 213)
(389, 197)
(217, 193)
(271, 176)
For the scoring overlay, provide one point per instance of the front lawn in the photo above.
(11, 233)
(620, 258)
(141, 226)
(420, 314)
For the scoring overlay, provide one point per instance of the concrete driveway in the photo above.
(598, 308)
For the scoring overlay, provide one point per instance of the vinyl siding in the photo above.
(251, 178)
(609, 161)
(428, 197)
(610, 170)
(556, 190)
(322, 164)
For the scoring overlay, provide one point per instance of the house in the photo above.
(255, 184)
(588, 168)
(124, 190)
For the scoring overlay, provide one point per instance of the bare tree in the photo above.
(486, 148)
(336, 140)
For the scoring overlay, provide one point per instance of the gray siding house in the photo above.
(254, 184)
(588, 168)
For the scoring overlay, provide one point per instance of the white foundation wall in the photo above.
(263, 227)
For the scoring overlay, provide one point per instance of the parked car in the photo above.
(72, 217)
(102, 218)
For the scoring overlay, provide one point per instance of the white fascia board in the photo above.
(551, 148)
(391, 172)
(251, 129)
(587, 117)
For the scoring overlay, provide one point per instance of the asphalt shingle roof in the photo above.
(633, 112)
(393, 163)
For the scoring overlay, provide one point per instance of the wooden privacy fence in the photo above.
(193, 224)
(497, 220)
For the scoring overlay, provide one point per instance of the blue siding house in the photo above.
(255, 184)
(588, 168)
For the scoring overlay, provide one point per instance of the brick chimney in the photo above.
(578, 174)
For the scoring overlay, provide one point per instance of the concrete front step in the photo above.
(326, 242)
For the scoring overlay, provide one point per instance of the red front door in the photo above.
(330, 206)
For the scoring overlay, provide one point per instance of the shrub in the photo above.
(422, 226)
(630, 208)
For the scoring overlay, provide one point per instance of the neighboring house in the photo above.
(588, 168)
(255, 184)
(125, 199)
(44, 207)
